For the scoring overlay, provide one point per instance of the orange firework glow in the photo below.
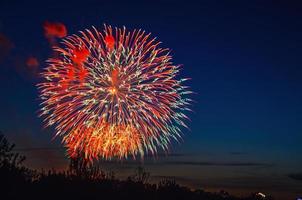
(106, 141)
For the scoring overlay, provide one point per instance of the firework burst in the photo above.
(113, 94)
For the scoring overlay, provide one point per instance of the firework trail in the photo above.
(113, 94)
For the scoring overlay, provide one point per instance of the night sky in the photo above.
(244, 58)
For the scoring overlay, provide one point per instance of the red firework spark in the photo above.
(54, 29)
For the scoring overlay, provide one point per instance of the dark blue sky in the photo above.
(244, 58)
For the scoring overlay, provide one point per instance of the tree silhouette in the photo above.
(141, 175)
(80, 167)
(7, 156)
(14, 176)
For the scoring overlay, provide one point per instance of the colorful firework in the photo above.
(113, 94)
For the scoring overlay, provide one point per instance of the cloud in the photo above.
(178, 178)
(296, 176)
(165, 155)
(147, 160)
(231, 164)
(130, 164)
(40, 149)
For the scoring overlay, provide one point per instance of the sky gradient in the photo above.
(244, 59)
